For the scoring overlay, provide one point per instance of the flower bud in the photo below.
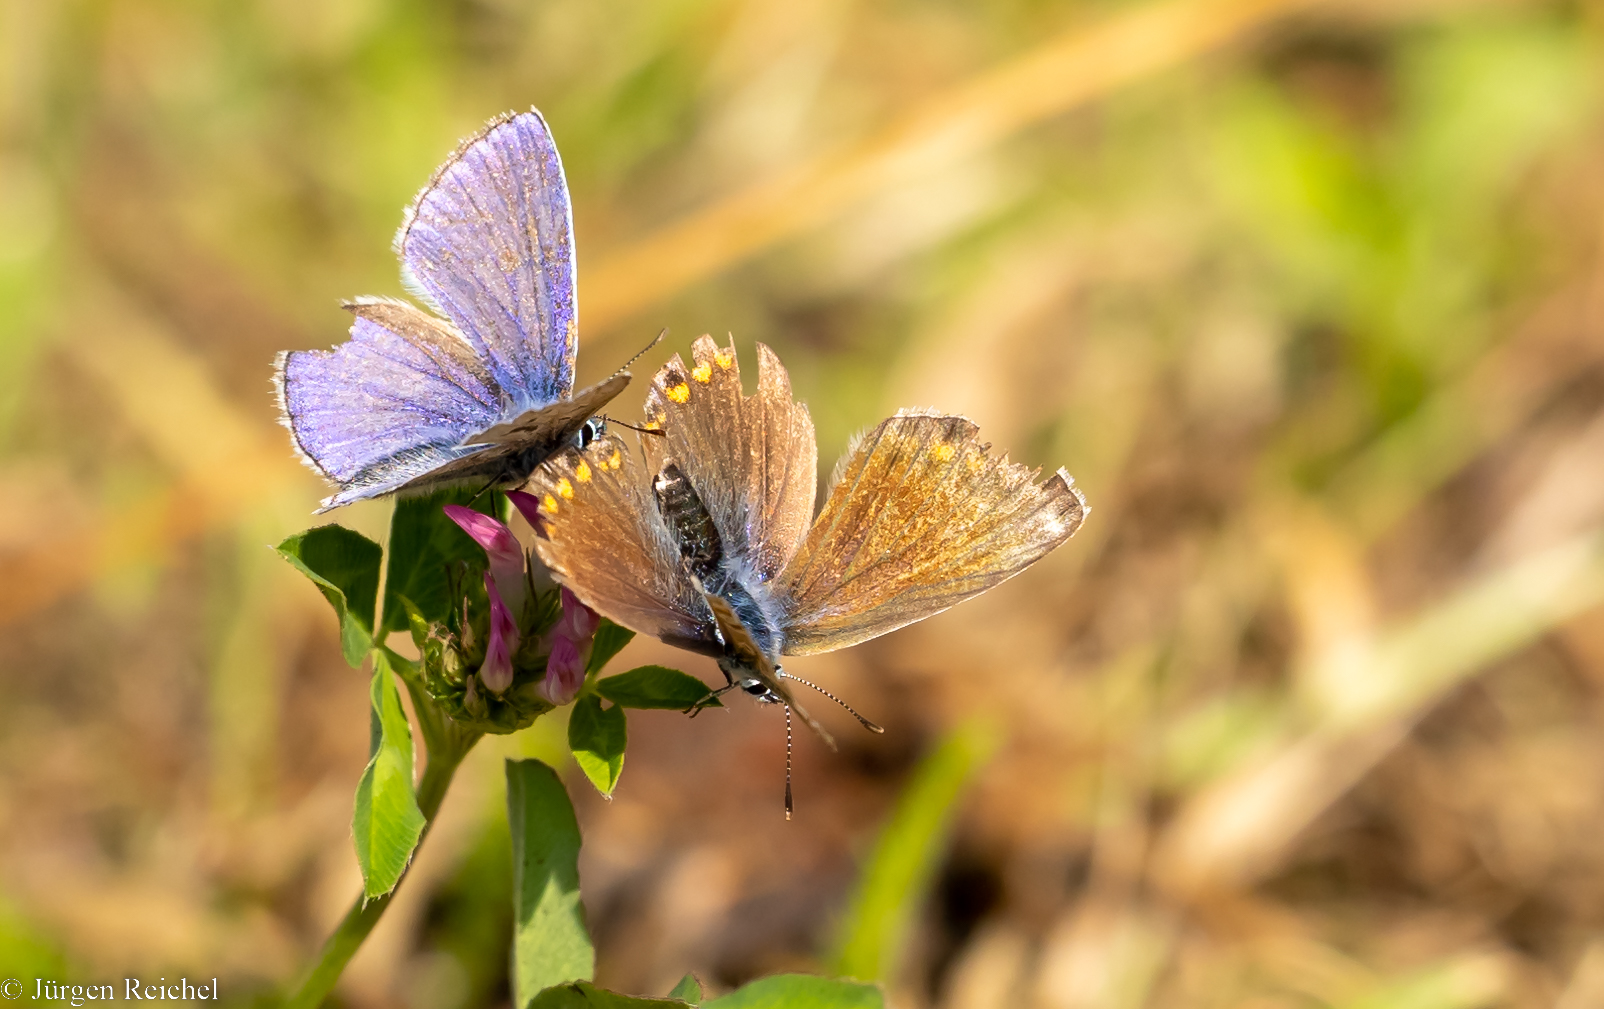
(578, 622)
(565, 670)
(496, 671)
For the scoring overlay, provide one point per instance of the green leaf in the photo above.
(656, 687)
(424, 545)
(800, 991)
(416, 623)
(584, 995)
(902, 867)
(597, 736)
(550, 945)
(344, 565)
(408, 669)
(688, 990)
(387, 822)
(609, 641)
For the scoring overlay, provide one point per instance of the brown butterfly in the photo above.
(712, 545)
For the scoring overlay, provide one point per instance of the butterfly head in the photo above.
(590, 431)
(741, 673)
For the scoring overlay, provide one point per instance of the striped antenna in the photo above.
(866, 723)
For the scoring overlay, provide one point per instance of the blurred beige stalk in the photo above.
(1586, 987)
(1072, 69)
(988, 973)
(221, 461)
(1237, 831)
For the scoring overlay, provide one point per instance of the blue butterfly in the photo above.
(413, 402)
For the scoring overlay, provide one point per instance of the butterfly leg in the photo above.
(481, 491)
(712, 695)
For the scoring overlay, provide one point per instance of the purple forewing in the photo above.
(490, 242)
(380, 409)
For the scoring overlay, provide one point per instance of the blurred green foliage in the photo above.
(896, 880)
(1306, 314)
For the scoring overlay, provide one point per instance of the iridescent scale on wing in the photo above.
(707, 539)
(413, 401)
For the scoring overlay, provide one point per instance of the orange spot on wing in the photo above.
(565, 490)
(703, 373)
(549, 503)
(615, 460)
(582, 472)
(680, 393)
(724, 358)
(943, 453)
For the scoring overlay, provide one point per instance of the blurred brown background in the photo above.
(1308, 297)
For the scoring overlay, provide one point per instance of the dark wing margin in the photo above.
(919, 517)
(752, 459)
(601, 535)
(489, 241)
(388, 406)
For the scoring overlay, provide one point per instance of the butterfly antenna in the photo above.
(806, 683)
(641, 353)
(632, 427)
(787, 761)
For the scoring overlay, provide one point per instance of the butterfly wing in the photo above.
(602, 536)
(752, 459)
(388, 406)
(564, 417)
(506, 454)
(918, 518)
(490, 242)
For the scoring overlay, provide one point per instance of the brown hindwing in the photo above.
(919, 518)
(604, 539)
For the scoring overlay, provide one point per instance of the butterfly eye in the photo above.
(588, 432)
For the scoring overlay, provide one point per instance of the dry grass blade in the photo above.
(224, 461)
(1074, 68)
(1237, 830)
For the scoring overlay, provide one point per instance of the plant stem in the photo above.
(446, 750)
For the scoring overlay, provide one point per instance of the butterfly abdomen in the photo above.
(702, 552)
(688, 519)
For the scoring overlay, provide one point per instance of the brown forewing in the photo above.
(752, 459)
